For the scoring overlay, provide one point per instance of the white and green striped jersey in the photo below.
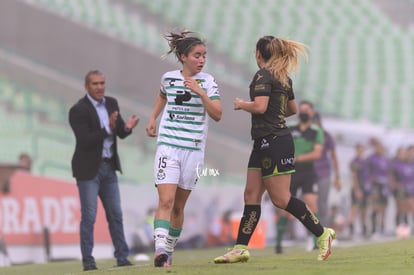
(184, 122)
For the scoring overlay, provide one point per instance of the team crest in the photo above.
(161, 174)
(200, 82)
(266, 162)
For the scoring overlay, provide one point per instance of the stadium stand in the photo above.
(354, 48)
(359, 66)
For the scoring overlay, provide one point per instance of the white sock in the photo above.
(160, 238)
(170, 244)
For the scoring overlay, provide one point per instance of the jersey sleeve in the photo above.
(163, 91)
(212, 89)
(262, 83)
(320, 137)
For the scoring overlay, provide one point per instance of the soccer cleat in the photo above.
(325, 243)
(161, 260)
(239, 253)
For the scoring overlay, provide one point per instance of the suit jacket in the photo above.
(89, 135)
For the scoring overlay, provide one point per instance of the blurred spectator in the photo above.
(378, 167)
(193, 235)
(142, 239)
(409, 187)
(4, 255)
(25, 161)
(400, 177)
(220, 231)
(337, 221)
(360, 189)
(323, 168)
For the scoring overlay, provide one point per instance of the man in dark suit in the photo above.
(96, 123)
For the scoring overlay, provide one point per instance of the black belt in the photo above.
(107, 159)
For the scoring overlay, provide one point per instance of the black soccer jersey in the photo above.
(272, 121)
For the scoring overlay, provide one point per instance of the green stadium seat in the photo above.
(350, 41)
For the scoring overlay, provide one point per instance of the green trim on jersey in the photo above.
(176, 137)
(186, 104)
(173, 78)
(186, 122)
(183, 129)
(194, 95)
(179, 146)
(186, 113)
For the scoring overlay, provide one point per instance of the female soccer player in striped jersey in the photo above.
(188, 97)
(271, 161)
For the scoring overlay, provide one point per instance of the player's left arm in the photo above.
(213, 106)
(257, 106)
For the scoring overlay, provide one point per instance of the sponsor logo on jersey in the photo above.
(259, 87)
(287, 161)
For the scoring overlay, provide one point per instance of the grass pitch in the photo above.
(392, 257)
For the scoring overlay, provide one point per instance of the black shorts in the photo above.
(379, 194)
(305, 179)
(273, 155)
(360, 203)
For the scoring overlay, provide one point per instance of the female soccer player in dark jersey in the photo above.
(271, 161)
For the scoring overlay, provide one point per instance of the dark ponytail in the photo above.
(181, 43)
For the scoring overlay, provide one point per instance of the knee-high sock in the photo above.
(248, 223)
(172, 239)
(299, 209)
(161, 228)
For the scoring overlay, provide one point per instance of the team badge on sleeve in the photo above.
(161, 174)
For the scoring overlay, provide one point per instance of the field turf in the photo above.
(391, 257)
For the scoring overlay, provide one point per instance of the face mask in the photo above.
(304, 117)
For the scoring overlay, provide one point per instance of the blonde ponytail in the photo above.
(281, 56)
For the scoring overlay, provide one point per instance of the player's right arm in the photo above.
(156, 110)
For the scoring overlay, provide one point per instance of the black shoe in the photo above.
(161, 260)
(126, 263)
(278, 249)
(89, 267)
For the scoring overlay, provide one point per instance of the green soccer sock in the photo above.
(280, 229)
